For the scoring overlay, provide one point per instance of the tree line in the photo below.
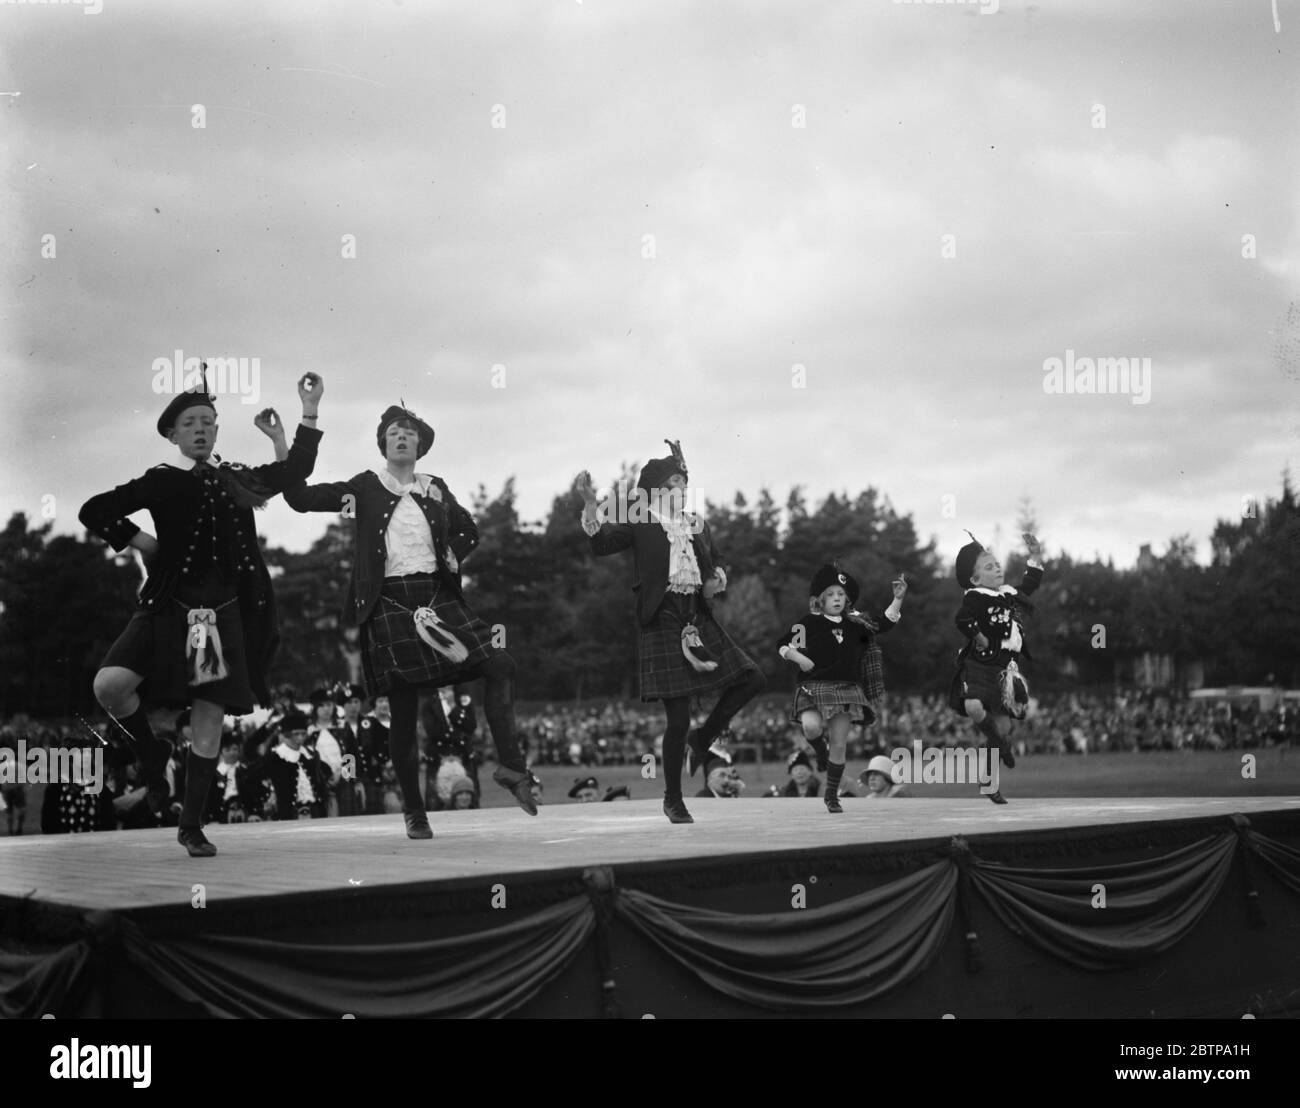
(569, 622)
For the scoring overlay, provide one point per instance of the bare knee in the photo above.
(975, 709)
(115, 689)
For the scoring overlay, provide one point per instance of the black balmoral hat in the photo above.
(391, 415)
(831, 574)
(193, 398)
(294, 721)
(580, 784)
(655, 473)
(344, 693)
(967, 556)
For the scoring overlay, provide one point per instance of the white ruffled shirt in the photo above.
(409, 539)
(683, 567)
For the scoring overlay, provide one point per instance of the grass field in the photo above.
(1199, 773)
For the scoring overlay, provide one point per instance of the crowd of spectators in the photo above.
(346, 765)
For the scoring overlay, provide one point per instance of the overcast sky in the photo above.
(798, 165)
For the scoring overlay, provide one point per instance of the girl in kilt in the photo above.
(683, 651)
(835, 648)
(206, 629)
(988, 686)
(417, 630)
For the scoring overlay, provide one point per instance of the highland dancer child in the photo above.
(988, 685)
(206, 629)
(829, 646)
(417, 629)
(683, 651)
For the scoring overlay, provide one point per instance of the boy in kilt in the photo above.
(206, 629)
(842, 675)
(988, 685)
(683, 651)
(417, 630)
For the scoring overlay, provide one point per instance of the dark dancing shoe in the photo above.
(193, 840)
(997, 797)
(1008, 758)
(417, 825)
(823, 751)
(519, 782)
(697, 752)
(675, 810)
(833, 804)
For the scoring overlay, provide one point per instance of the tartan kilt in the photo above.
(391, 647)
(832, 698)
(663, 669)
(987, 683)
(154, 644)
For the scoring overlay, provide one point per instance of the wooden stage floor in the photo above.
(145, 869)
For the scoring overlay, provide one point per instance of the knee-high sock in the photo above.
(403, 749)
(733, 698)
(148, 747)
(834, 772)
(678, 710)
(988, 727)
(499, 707)
(198, 780)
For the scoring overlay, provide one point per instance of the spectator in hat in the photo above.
(718, 779)
(295, 772)
(373, 736)
(617, 792)
(352, 789)
(321, 738)
(878, 778)
(585, 790)
(802, 782)
(463, 794)
(237, 795)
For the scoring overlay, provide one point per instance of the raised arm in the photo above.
(606, 538)
(1034, 569)
(296, 466)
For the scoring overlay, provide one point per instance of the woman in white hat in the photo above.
(878, 777)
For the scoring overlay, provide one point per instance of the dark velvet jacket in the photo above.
(175, 498)
(991, 613)
(454, 532)
(650, 553)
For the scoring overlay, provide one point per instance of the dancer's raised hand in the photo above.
(583, 486)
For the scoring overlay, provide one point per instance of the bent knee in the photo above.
(976, 710)
(113, 685)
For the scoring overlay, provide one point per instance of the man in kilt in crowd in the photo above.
(206, 629)
(405, 593)
(683, 651)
